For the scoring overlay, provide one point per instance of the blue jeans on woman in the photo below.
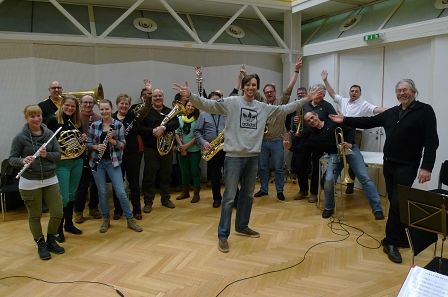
(272, 150)
(116, 178)
(356, 162)
(236, 168)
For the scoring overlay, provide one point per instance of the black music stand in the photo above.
(425, 213)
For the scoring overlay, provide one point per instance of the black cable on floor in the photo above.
(65, 282)
(346, 233)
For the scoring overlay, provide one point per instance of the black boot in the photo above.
(68, 217)
(42, 249)
(60, 235)
(53, 246)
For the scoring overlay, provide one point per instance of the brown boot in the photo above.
(185, 193)
(196, 195)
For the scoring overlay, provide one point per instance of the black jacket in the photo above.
(408, 137)
(153, 120)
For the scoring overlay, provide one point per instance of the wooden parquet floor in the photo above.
(177, 254)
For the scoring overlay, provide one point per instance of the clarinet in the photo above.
(138, 110)
(100, 155)
(37, 153)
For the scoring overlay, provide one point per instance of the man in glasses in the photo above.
(87, 118)
(51, 105)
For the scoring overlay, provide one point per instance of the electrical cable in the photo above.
(64, 282)
(346, 233)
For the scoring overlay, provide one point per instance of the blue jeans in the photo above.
(356, 162)
(116, 178)
(272, 149)
(234, 169)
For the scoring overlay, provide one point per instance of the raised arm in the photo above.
(330, 90)
(294, 76)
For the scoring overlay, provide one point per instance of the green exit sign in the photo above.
(373, 36)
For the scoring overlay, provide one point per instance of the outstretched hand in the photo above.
(337, 118)
(314, 94)
(299, 64)
(324, 75)
(183, 91)
(147, 85)
(286, 142)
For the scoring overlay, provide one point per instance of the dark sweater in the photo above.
(131, 138)
(48, 109)
(26, 144)
(408, 137)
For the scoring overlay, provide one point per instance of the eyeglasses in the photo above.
(87, 103)
(56, 88)
(270, 92)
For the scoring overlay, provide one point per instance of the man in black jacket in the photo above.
(150, 129)
(410, 129)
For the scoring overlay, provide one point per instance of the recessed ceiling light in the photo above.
(235, 31)
(441, 4)
(145, 24)
(350, 23)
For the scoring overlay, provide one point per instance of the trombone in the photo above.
(339, 136)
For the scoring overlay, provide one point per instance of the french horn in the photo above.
(165, 143)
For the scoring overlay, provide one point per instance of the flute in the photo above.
(100, 154)
(37, 153)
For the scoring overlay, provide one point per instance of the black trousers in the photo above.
(130, 167)
(81, 194)
(214, 171)
(394, 174)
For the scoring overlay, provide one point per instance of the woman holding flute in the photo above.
(39, 182)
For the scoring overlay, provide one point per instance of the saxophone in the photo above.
(217, 145)
(165, 143)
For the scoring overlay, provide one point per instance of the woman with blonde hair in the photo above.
(69, 168)
(39, 182)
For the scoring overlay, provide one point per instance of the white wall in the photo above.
(378, 70)
(28, 69)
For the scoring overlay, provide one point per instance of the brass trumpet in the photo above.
(339, 135)
(300, 124)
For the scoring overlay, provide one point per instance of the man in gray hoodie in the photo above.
(245, 122)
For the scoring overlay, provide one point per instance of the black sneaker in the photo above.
(247, 232)
(379, 215)
(280, 196)
(260, 193)
(327, 213)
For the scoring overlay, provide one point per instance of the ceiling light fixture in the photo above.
(350, 23)
(145, 24)
(235, 31)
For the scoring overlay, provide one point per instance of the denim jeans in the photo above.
(272, 150)
(234, 169)
(356, 162)
(116, 178)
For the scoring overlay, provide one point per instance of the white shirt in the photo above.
(357, 108)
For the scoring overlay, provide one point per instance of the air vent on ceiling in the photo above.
(441, 4)
(235, 31)
(350, 23)
(145, 25)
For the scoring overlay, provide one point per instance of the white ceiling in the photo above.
(273, 10)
